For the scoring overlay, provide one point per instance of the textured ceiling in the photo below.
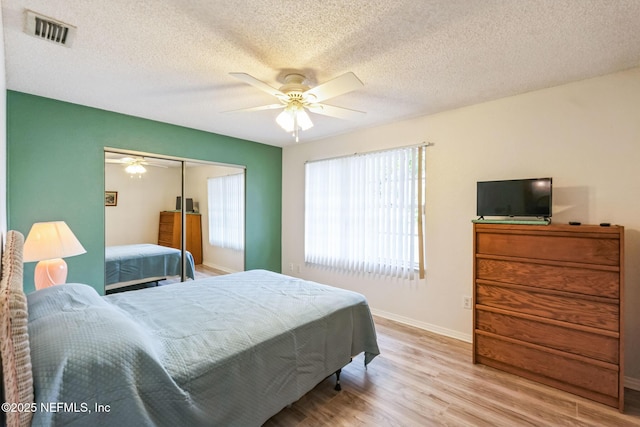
(170, 60)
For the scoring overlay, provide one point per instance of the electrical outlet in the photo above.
(291, 267)
(466, 302)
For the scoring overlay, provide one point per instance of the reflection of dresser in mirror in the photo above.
(169, 232)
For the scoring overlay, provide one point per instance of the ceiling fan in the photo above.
(295, 97)
(135, 166)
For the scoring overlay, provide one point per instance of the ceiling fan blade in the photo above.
(342, 84)
(120, 160)
(158, 163)
(263, 107)
(259, 84)
(333, 111)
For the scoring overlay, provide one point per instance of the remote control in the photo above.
(574, 223)
(604, 224)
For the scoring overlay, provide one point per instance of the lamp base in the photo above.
(50, 272)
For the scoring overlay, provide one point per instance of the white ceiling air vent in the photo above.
(43, 27)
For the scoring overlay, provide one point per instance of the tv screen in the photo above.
(517, 197)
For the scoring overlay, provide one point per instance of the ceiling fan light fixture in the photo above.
(304, 121)
(135, 169)
(286, 120)
(294, 118)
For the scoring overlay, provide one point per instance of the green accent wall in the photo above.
(55, 171)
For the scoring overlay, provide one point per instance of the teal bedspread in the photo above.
(225, 351)
(141, 261)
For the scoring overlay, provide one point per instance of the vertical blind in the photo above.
(364, 213)
(226, 211)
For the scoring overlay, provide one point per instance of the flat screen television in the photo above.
(515, 198)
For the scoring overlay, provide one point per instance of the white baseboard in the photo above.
(423, 325)
(218, 267)
(629, 382)
(632, 383)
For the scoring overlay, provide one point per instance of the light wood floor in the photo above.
(200, 272)
(424, 379)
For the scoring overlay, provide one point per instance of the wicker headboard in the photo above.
(14, 337)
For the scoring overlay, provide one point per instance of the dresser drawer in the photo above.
(570, 309)
(166, 229)
(563, 278)
(604, 251)
(167, 217)
(580, 342)
(596, 377)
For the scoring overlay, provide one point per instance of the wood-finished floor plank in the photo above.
(425, 379)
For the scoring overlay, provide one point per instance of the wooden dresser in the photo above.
(169, 232)
(548, 305)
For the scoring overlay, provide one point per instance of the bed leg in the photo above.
(338, 387)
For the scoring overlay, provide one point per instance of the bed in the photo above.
(127, 265)
(230, 350)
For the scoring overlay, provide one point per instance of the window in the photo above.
(226, 211)
(364, 213)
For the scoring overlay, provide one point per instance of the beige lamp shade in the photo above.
(49, 242)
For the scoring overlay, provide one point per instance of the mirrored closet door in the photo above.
(148, 198)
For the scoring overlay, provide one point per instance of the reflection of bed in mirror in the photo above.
(127, 265)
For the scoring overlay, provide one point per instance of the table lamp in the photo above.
(48, 243)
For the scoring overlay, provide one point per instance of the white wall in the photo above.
(135, 219)
(586, 135)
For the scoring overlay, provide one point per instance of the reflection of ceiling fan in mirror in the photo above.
(295, 97)
(135, 166)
